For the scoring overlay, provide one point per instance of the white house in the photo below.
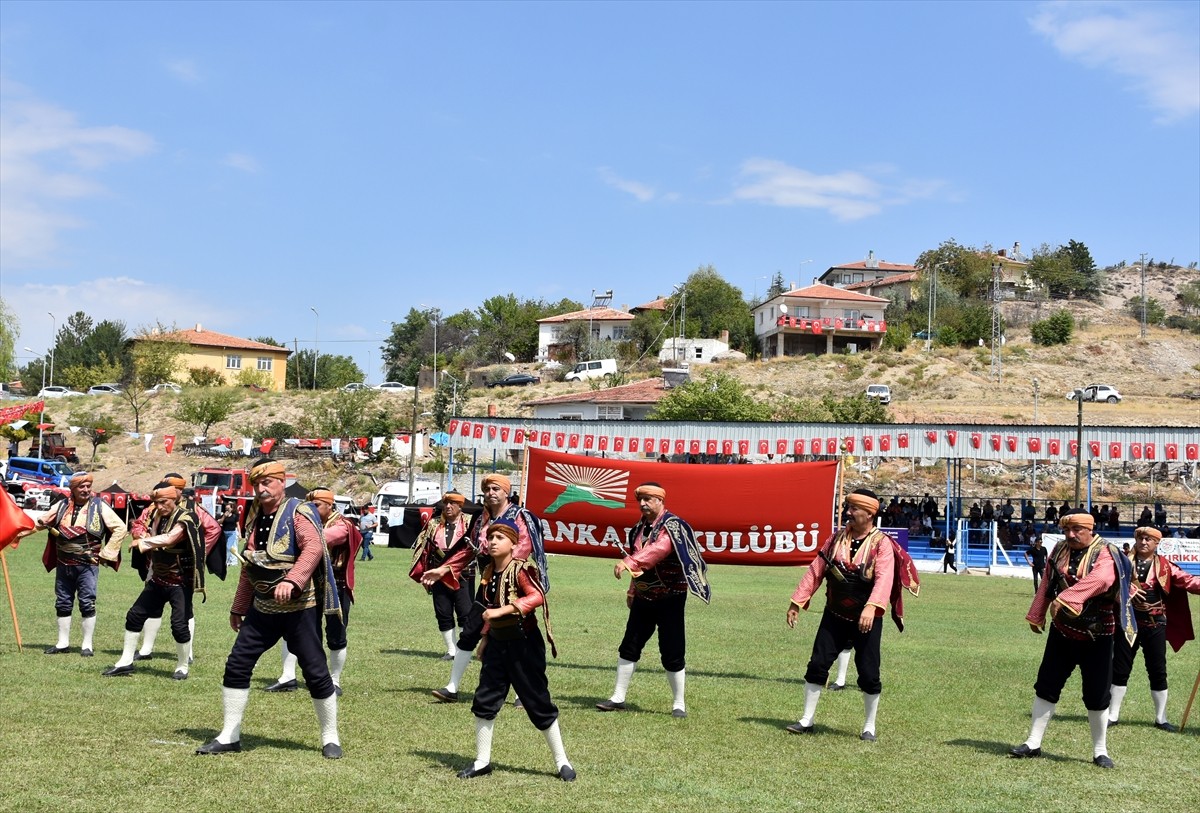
(629, 402)
(604, 322)
(692, 351)
(866, 270)
(819, 319)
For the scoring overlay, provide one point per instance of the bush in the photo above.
(205, 377)
(1055, 329)
(1188, 323)
(896, 339)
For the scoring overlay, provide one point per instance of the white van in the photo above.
(600, 368)
(393, 496)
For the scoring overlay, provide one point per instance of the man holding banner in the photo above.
(866, 568)
(665, 563)
(530, 547)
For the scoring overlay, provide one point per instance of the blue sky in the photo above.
(237, 164)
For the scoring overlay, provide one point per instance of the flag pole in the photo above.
(1188, 709)
(12, 606)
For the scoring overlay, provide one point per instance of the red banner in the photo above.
(746, 515)
(15, 413)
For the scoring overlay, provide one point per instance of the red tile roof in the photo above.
(659, 304)
(894, 279)
(597, 314)
(877, 265)
(199, 337)
(822, 291)
(648, 391)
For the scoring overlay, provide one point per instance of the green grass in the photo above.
(957, 694)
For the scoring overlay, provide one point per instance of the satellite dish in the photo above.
(783, 308)
(509, 356)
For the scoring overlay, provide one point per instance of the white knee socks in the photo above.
(843, 666)
(326, 709)
(871, 708)
(1114, 704)
(337, 662)
(289, 663)
(1160, 705)
(89, 629)
(462, 659)
(181, 656)
(234, 703)
(812, 693)
(131, 639)
(624, 675)
(1043, 710)
(554, 740)
(149, 633)
(449, 637)
(1098, 722)
(64, 631)
(677, 681)
(483, 742)
(191, 638)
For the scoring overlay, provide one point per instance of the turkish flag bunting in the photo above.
(1172, 451)
(1114, 449)
(560, 439)
(450, 427)
(168, 443)
(1055, 446)
(1148, 450)
(781, 446)
(727, 447)
(680, 445)
(764, 447)
(885, 442)
(976, 440)
(1011, 443)
(1135, 451)
(694, 447)
(952, 436)
(831, 446)
(573, 440)
(902, 440)
(931, 437)
(849, 441)
(710, 447)
(491, 432)
(815, 446)
(743, 447)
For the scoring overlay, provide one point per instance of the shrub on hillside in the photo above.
(1054, 329)
(205, 377)
(896, 338)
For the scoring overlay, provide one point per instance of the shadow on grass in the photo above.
(414, 653)
(1001, 749)
(456, 762)
(773, 723)
(203, 735)
(588, 702)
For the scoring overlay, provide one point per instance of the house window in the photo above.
(264, 364)
(610, 412)
(856, 278)
(850, 316)
(555, 332)
(699, 352)
(233, 362)
(570, 416)
(800, 311)
(620, 333)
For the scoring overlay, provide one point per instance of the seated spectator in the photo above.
(1145, 518)
(1051, 514)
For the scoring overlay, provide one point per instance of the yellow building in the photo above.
(228, 355)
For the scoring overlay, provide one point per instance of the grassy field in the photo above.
(957, 693)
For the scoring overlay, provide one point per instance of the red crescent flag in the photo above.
(14, 523)
(168, 443)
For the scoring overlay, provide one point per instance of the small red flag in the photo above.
(14, 523)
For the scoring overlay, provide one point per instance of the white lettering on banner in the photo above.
(752, 542)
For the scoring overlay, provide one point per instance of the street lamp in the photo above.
(754, 301)
(43, 420)
(316, 344)
(800, 272)
(932, 307)
(435, 315)
(53, 344)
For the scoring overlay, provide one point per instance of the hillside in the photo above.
(1159, 377)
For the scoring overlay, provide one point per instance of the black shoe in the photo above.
(179, 675)
(1112, 723)
(867, 736)
(1023, 751)
(446, 696)
(138, 656)
(678, 713)
(215, 747)
(86, 653)
(566, 773)
(517, 704)
(800, 728)
(331, 750)
(1103, 761)
(1165, 726)
(609, 705)
(337, 690)
(447, 657)
(55, 650)
(472, 772)
(837, 687)
(118, 671)
(282, 686)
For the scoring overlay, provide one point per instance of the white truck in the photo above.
(392, 496)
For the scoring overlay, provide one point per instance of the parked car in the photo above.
(1097, 392)
(35, 470)
(166, 386)
(357, 386)
(516, 380)
(56, 391)
(394, 386)
(599, 368)
(880, 392)
(105, 389)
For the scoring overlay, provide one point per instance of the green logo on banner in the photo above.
(606, 488)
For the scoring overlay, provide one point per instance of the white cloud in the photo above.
(49, 158)
(1151, 45)
(242, 161)
(847, 195)
(185, 70)
(135, 302)
(643, 192)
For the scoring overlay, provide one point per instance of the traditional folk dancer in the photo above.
(83, 533)
(174, 550)
(343, 540)
(665, 563)
(1086, 590)
(286, 584)
(514, 655)
(1160, 607)
(210, 531)
(866, 570)
(437, 541)
(496, 504)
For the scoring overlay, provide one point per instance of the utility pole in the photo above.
(997, 339)
(1143, 264)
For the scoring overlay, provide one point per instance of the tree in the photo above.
(1091, 280)
(102, 370)
(135, 395)
(206, 407)
(10, 327)
(718, 396)
(344, 414)
(1156, 314)
(156, 357)
(99, 429)
(1189, 296)
(1054, 329)
(963, 269)
(332, 371)
(646, 332)
(713, 305)
(778, 286)
(1052, 268)
(856, 408)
